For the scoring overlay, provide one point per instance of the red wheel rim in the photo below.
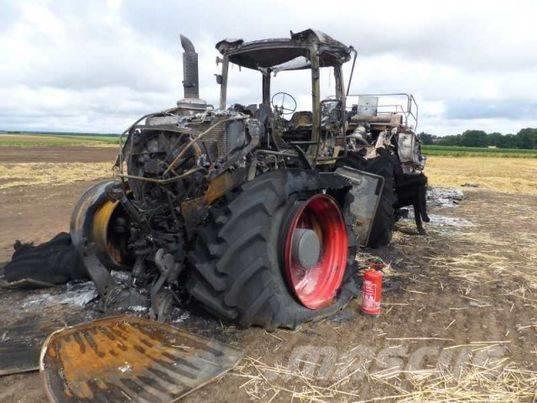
(316, 287)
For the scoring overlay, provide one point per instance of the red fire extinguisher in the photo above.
(372, 290)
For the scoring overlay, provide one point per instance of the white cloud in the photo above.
(95, 66)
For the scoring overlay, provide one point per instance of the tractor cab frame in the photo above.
(319, 133)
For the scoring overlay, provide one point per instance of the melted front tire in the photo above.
(237, 263)
(95, 221)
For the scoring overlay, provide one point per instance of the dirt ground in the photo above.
(459, 317)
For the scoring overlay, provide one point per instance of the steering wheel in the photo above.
(278, 101)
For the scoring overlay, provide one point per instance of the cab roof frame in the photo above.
(292, 53)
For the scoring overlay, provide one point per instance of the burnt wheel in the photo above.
(276, 253)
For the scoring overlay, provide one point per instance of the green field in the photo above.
(454, 151)
(56, 140)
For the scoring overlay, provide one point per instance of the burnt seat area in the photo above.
(301, 120)
(298, 128)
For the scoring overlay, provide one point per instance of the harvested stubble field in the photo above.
(511, 175)
(37, 140)
(459, 319)
(14, 174)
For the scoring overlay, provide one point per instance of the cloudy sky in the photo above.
(97, 65)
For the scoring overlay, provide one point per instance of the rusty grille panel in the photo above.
(129, 358)
(216, 135)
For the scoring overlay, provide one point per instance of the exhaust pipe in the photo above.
(190, 69)
(191, 103)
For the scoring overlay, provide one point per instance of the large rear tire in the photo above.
(238, 268)
(383, 165)
(381, 232)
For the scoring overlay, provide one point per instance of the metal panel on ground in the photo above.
(21, 341)
(128, 358)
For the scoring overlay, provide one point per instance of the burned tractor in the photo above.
(257, 210)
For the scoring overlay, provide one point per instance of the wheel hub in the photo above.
(306, 247)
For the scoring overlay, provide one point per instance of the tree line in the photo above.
(524, 139)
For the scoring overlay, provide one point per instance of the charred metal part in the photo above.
(114, 297)
(21, 341)
(129, 358)
(223, 83)
(366, 191)
(167, 265)
(194, 211)
(121, 298)
(162, 299)
(157, 307)
(313, 151)
(224, 183)
(352, 70)
(270, 53)
(98, 272)
(190, 69)
(161, 181)
(191, 143)
(162, 305)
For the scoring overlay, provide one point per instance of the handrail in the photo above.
(410, 110)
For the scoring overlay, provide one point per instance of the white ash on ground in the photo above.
(442, 221)
(444, 197)
(74, 294)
